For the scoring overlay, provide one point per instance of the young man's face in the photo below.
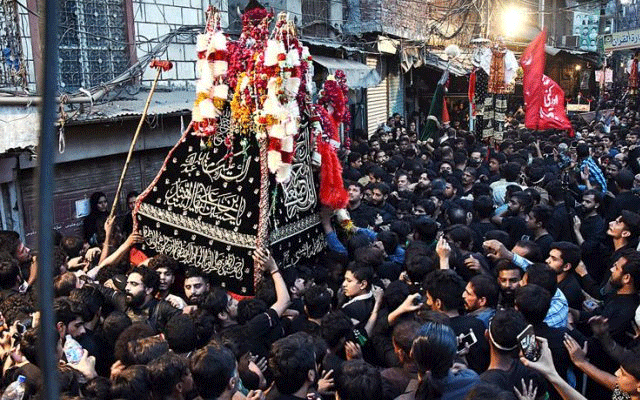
(445, 169)
(131, 202)
(514, 206)
(403, 182)
(195, 288)
(449, 190)
(377, 198)
(531, 222)
(627, 382)
(355, 194)
(509, 279)
(135, 290)
(617, 228)
(494, 165)
(352, 286)
(75, 328)
(589, 203)
(166, 278)
(611, 171)
(617, 273)
(555, 260)
(471, 300)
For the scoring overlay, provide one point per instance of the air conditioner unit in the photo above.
(570, 41)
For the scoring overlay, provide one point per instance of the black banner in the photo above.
(203, 208)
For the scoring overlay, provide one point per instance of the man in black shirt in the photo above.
(590, 233)
(444, 290)
(361, 214)
(563, 259)
(537, 222)
(505, 369)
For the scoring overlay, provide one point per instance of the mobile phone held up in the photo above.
(528, 344)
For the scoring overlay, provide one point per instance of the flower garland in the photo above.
(211, 88)
(331, 111)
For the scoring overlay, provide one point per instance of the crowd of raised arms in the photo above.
(462, 258)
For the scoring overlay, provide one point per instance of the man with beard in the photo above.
(141, 305)
(361, 214)
(379, 194)
(624, 231)
(509, 276)
(481, 298)
(196, 287)
(590, 233)
(138, 300)
(620, 307)
(166, 268)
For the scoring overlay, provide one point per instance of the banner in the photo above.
(622, 40)
(552, 113)
(203, 208)
(532, 62)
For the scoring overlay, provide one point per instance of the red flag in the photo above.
(553, 114)
(532, 62)
(472, 92)
(445, 112)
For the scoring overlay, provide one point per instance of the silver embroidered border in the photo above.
(294, 228)
(198, 227)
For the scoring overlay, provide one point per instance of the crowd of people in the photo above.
(458, 270)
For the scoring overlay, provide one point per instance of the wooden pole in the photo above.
(161, 66)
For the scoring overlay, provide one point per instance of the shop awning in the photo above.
(359, 76)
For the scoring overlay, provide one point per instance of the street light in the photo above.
(512, 21)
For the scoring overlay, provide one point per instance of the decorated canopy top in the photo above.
(242, 177)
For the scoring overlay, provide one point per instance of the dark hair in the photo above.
(426, 227)
(180, 333)
(317, 300)
(90, 299)
(504, 265)
(582, 150)
(357, 380)
(66, 310)
(483, 206)
(361, 273)
(499, 235)
(64, 284)
(334, 327)
(504, 328)
(404, 333)
(290, 360)
(71, 245)
(150, 278)
(215, 301)
(9, 271)
(195, 273)
(382, 187)
(542, 213)
(460, 234)
(523, 199)
(135, 331)
(212, 367)
(534, 253)
(570, 252)
(165, 372)
(115, 323)
(632, 266)
(533, 302)
(389, 241)
(146, 349)
(510, 171)
(541, 274)
(447, 286)
(433, 350)
(93, 201)
(485, 286)
(131, 384)
(249, 308)
(624, 179)
(163, 261)
(597, 195)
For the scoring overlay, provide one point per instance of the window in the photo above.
(315, 18)
(93, 42)
(13, 72)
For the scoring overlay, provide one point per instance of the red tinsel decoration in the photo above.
(332, 191)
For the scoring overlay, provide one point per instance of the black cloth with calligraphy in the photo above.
(203, 208)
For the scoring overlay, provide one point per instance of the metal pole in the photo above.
(47, 149)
